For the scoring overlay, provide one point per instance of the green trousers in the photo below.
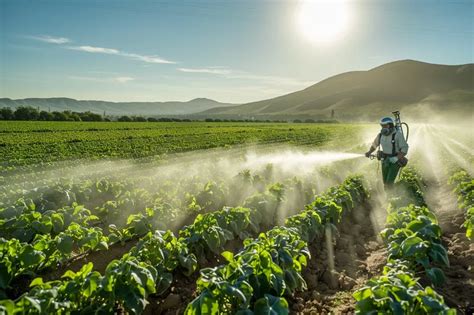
(389, 172)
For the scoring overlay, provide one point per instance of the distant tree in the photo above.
(297, 121)
(124, 118)
(90, 116)
(26, 113)
(107, 119)
(6, 113)
(164, 119)
(332, 113)
(139, 119)
(309, 121)
(44, 115)
(186, 120)
(59, 116)
(208, 120)
(75, 117)
(151, 119)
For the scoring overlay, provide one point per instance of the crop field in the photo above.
(32, 143)
(232, 218)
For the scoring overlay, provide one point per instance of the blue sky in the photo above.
(230, 51)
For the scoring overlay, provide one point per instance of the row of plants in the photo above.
(413, 239)
(255, 280)
(464, 188)
(147, 268)
(26, 144)
(36, 240)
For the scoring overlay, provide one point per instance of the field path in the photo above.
(458, 291)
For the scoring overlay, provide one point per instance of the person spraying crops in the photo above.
(394, 148)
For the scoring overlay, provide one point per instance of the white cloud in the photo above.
(102, 50)
(210, 70)
(123, 79)
(228, 73)
(120, 79)
(113, 51)
(98, 50)
(148, 59)
(51, 39)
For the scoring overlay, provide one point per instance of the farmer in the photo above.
(394, 149)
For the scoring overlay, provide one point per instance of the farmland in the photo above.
(236, 218)
(32, 143)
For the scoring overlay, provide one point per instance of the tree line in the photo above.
(31, 113)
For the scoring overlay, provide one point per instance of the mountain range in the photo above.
(411, 86)
(116, 108)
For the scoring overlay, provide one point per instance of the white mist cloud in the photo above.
(148, 59)
(119, 79)
(98, 50)
(102, 50)
(210, 70)
(123, 79)
(113, 51)
(229, 73)
(51, 39)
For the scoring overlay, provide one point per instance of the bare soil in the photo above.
(357, 255)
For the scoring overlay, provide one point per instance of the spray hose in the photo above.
(408, 130)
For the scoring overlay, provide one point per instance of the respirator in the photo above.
(386, 131)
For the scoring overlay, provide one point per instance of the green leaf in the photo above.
(229, 256)
(65, 243)
(271, 305)
(438, 254)
(5, 276)
(36, 281)
(30, 257)
(436, 275)
(163, 282)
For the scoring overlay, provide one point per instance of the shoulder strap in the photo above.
(393, 143)
(380, 137)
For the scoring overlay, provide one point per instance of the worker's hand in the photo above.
(367, 154)
(400, 155)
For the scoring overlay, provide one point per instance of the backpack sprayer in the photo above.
(399, 127)
(399, 124)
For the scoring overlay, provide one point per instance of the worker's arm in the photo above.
(402, 144)
(374, 146)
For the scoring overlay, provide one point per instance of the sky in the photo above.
(234, 51)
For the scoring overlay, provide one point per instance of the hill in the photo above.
(407, 85)
(116, 108)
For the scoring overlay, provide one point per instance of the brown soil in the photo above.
(458, 291)
(183, 289)
(357, 257)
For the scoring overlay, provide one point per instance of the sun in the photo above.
(322, 21)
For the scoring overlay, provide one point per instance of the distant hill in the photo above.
(407, 85)
(113, 108)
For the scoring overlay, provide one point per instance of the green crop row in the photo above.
(155, 257)
(464, 187)
(23, 144)
(413, 239)
(35, 240)
(255, 280)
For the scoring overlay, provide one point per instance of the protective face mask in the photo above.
(385, 131)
